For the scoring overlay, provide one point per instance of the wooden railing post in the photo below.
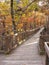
(47, 52)
(46, 60)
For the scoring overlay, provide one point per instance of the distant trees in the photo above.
(19, 13)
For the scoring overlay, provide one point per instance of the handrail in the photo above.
(45, 35)
(47, 48)
(47, 52)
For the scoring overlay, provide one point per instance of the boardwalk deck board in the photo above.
(26, 54)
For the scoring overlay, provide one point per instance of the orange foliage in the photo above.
(20, 25)
(8, 20)
(30, 19)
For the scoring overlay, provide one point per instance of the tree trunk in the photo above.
(12, 15)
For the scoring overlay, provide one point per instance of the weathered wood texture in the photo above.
(26, 54)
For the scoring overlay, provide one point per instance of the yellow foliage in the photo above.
(23, 15)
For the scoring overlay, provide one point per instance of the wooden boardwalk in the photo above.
(26, 54)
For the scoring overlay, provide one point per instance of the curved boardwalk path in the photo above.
(26, 54)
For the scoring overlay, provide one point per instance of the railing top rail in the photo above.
(47, 48)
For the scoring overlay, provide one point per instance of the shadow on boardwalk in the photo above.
(26, 54)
